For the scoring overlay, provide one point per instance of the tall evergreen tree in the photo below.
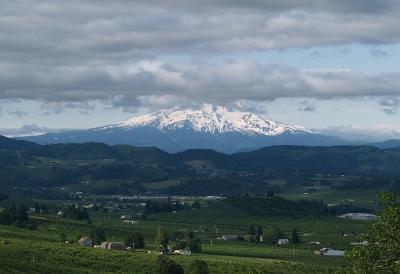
(252, 231)
(294, 236)
(161, 240)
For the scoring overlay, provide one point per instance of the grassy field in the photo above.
(41, 251)
(23, 251)
(363, 198)
(162, 184)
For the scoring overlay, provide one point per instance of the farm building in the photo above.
(130, 222)
(117, 246)
(85, 241)
(113, 245)
(183, 252)
(359, 216)
(283, 241)
(326, 251)
(229, 237)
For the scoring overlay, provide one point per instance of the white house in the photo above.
(183, 252)
(283, 241)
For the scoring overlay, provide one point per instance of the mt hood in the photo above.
(211, 127)
(209, 119)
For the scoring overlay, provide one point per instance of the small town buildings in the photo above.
(283, 241)
(85, 241)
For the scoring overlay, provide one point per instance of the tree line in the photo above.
(16, 216)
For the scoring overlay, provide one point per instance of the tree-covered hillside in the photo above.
(96, 168)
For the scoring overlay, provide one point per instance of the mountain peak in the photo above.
(209, 119)
(207, 127)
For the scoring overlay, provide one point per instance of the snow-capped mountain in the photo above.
(209, 119)
(208, 127)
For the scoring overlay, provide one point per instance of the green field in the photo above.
(41, 251)
(364, 198)
(162, 184)
(23, 251)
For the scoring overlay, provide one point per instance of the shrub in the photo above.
(198, 267)
(164, 265)
(135, 240)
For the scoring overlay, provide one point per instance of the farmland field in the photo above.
(41, 251)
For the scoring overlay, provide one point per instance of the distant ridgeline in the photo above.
(57, 170)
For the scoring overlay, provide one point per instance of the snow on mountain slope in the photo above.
(208, 127)
(210, 119)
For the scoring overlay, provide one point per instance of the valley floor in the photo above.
(27, 252)
(41, 251)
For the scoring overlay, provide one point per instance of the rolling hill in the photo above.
(9, 143)
(102, 169)
(394, 143)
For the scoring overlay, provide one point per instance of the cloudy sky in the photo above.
(330, 65)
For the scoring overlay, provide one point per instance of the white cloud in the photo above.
(225, 82)
(366, 134)
(307, 107)
(26, 130)
(111, 51)
(83, 31)
(390, 105)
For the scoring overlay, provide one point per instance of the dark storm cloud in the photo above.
(115, 51)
